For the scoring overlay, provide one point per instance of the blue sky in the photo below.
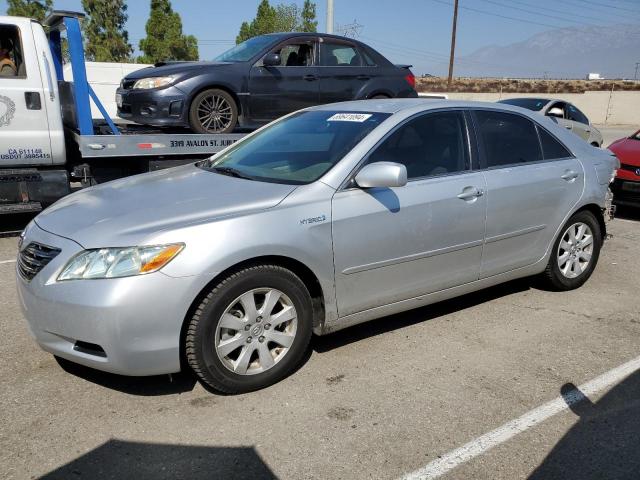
(406, 31)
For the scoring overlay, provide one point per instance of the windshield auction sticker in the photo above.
(349, 117)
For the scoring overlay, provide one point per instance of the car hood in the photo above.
(129, 211)
(627, 150)
(172, 69)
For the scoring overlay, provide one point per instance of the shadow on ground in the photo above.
(118, 459)
(628, 213)
(604, 443)
(419, 315)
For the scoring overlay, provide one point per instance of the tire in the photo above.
(562, 276)
(226, 345)
(213, 111)
(379, 96)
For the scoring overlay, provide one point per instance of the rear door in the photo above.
(533, 182)
(344, 71)
(24, 127)
(579, 122)
(290, 86)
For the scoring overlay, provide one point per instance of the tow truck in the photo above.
(49, 142)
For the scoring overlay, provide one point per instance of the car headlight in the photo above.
(119, 262)
(153, 82)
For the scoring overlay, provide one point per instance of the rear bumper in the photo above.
(161, 107)
(129, 326)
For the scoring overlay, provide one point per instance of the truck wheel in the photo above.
(213, 111)
(251, 330)
(575, 253)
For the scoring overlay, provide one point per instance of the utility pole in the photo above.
(329, 16)
(635, 76)
(453, 43)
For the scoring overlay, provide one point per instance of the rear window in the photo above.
(552, 148)
(508, 138)
(534, 104)
(299, 149)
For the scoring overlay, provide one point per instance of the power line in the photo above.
(600, 10)
(564, 12)
(607, 5)
(555, 17)
(351, 30)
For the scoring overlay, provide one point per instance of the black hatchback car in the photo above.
(260, 80)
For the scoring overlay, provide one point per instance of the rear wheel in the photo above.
(213, 111)
(575, 253)
(379, 96)
(251, 330)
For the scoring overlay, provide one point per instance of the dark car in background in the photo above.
(260, 80)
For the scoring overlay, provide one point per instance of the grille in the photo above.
(629, 168)
(128, 84)
(33, 258)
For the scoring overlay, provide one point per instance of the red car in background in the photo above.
(626, 186)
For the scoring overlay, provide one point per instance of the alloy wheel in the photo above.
(214, 113)
(575, 250)
(256, 331)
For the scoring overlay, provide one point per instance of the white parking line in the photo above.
(510, 429)
(7, 261)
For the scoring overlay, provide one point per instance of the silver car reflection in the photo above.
(326, 218)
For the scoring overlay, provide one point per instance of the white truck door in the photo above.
(24, 123)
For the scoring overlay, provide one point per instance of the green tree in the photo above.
(36, 9)
(165, 40)
(284, 17)
(308, 21)
(106, 39)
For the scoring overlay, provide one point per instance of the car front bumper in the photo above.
(161, 107)
(128, 326)
(626, 192)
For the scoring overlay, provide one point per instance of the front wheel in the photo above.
(251, 330)
(213, 111)
(575, 253)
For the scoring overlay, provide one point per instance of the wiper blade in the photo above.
(232, 172)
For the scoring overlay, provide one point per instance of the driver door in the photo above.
(290, 86)
(563, 121)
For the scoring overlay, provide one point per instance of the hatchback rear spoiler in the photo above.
(403, 66)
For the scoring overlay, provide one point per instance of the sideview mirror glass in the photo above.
(556, 112)
(382, 175)
(271, 60)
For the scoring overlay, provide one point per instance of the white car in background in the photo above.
(564, 113)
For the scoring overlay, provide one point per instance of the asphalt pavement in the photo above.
(379, 400)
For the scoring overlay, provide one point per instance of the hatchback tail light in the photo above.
(411, 80)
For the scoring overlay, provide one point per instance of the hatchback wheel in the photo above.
(213, 111)
(575, 252)
(251, 330)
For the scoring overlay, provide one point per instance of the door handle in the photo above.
(363, 77)
(310, 78)
(32, 99)
(568, 127)
(470, 193)
(569, 175)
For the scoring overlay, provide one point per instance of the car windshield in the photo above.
(296, 150)
(534, 104)
(246, 50)
(636, 136)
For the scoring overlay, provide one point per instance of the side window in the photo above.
(366, 59)
(11, 59)
(562, 106)
(551, 147)
(339, 55)
(507, 138)
(576, 115)
(432, 144)
(296, 54)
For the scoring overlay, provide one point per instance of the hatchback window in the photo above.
(534, 104)
(339, 55)
(508, 138)
(432, 144)
(296, 150)
(551, 147)
(576, 115)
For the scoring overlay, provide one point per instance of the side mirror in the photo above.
(382, 175)
(271, 60)
(556, 112)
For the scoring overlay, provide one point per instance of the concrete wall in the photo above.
(105, 78)
(619, 108)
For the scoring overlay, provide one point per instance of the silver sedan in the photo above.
(326, 218)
